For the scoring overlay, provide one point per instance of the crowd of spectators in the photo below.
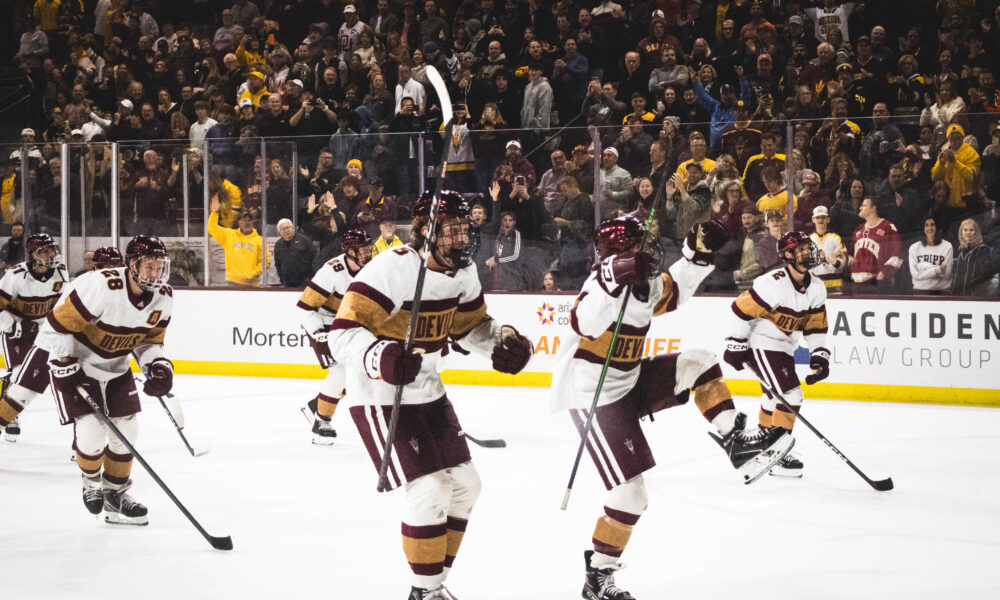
(891, 107)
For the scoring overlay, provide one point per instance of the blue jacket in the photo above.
(721, 116)
(572, 80)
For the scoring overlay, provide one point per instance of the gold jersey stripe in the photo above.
(363, 310)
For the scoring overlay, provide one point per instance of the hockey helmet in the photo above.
(147, 248)
(618, 235)
(451, 205)
(39, 242)
(108, 257)
(790, 243)
(360, 243)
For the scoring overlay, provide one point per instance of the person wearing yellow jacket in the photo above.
(243, 247)
(957, 165)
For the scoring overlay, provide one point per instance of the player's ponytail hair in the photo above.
(417, 237)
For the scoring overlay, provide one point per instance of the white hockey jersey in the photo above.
(774, 314)
(830, 245)
(100, 322)
(377, 307)
(593, 317)
(25, 295)
(324, 292)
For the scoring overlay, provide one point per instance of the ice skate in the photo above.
(754, 452)
(93, 497)
(12, 431)
(423, 594)
(789, 466)
(600, 583)
(323, 433)
(122, 509)
(309, 411)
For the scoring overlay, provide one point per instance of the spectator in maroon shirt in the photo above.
(145, 211)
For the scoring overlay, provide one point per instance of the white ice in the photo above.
(307, 522)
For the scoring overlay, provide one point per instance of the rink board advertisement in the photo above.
(903, 350)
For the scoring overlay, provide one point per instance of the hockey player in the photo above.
(834, 255)
(430, 456)
(634, 386)
(86, 343)
(27, 294)
(318, 307)
(771, 318)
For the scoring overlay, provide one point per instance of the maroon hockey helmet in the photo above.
(108, 257)
(791, 241)
(452, 204)
(618, 235)
(147, 247)
(41, 241)
(357, 244)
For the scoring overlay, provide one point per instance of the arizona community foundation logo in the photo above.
(546, 313)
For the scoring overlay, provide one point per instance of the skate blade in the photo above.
(119, 520)
(319, 440)
(11, 438)
(749, 470)
(308, 415)
(785, 474)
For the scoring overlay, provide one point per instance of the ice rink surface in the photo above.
(307, 522)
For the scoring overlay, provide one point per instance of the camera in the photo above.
(519, 180)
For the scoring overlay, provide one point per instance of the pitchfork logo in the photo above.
(546, 313)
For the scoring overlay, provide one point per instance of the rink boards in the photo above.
(882, 350)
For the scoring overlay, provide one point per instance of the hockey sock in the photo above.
(714, 400)
(611, 535)
(456, 530)
(425, 547)
(783, 417)
(90, 464)
(326, 406)
(117, 468)
(766, 418)
(9, 411)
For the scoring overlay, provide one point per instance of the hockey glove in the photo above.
(318, 341)
(703, 241)
(24, 329)
(512, 352)
(628, 268)
(390, 362)
(67, 377)
(737, 353)
(819, 362)
(160, 378)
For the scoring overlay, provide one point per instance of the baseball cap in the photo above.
(297, 82)
(76, 132)
(797, 20)
(350, 8)
(579, 148)
(127, 103)
(864, 39)
(28, 131)
(246, 102)
(820, 211)
(727, 89)
(256, 74)
(845, 67)
(764, 56)
(429, 47)
(612, 150)
(513, 143)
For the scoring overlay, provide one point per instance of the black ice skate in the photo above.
(12, 431)
(789, 466)
(93, 497)
(423, 594)
(323, 433)
(600, 583)
(121, 509)
(754, 452)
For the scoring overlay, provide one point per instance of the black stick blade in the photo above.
(884, 485)
(221, 543)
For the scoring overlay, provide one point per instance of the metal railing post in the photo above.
(263, 212)
(595, 136)
(64, 197)
(421, 168)
(789, 173)
(295, 185)
(187, 199)
(83, 196)
(207, 202)
(115, 207)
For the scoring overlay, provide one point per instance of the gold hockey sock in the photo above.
(9, 411)
(90, 465)
(612, 532)
(784, 418)
(425, 547)
(117, 468)
(456, 531)
(712, 398)
(326, 406)
(766, 418)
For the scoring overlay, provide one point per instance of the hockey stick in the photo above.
(497, 443)
(411, 328)
(882, 485)
(607, 359)
(219, 543)
(176, 421)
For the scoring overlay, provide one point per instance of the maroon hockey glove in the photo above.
(704, 240)
(390, 362)
(67, 377)
(627, 268)
(819, 362)
(512, 352)
(160, 378)
(737, 353)
(318, 341)
(24, 329)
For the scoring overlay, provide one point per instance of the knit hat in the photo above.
(355, 161)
